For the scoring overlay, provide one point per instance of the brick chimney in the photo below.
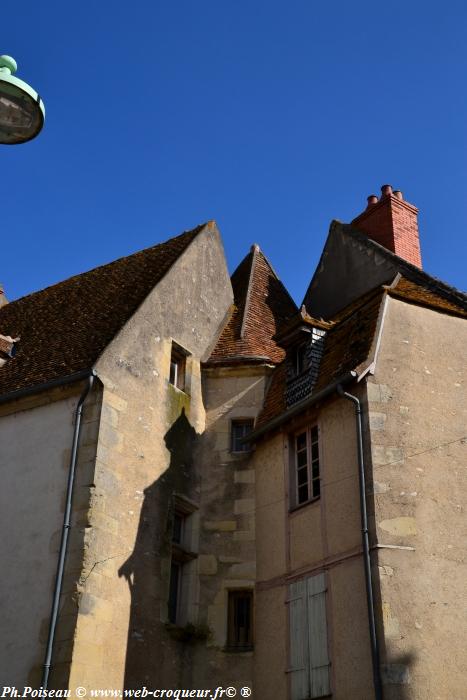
(392, 222)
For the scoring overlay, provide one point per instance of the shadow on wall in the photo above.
(153, 658)
(396, 677)
(395, 669)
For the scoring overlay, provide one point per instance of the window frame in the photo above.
(178, 367)
(180, 555)
(234, 422)
(299, 359)
(234, 595)
(313, 465)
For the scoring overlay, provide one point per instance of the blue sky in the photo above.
(271, 117)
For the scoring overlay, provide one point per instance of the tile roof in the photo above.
(407, 290)
(262, 306)
(347, 346)
(349, 340)
(64, 328)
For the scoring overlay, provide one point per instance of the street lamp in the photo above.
(22, 111)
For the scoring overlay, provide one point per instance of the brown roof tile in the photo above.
(64, 328)
(262, 306)
(349, 340)
(347, 345)
(417, 294)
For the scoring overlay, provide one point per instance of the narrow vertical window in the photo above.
(306, 474)
(182, 557)
(174, 591)
(240, 621)
(300, 359)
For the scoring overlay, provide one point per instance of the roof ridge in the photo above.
(268, 262)
(254, 256)
(193, 232)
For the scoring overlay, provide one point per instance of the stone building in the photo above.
(227, 524)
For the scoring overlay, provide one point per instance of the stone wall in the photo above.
(36, 435)
(147, 455)
(227, 559)
(323, 535)
(417, 416)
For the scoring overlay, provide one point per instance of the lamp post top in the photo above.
(22, 111)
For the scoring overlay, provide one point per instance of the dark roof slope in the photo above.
(411, 272)
(352, 264)
(261, 307)
(64, 328)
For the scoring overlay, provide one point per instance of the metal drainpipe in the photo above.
(366, 545)
(65, 532)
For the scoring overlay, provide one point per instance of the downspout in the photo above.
(366, 544)
(65, 532)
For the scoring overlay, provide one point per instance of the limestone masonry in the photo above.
(204, 485)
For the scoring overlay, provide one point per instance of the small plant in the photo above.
(189, 634)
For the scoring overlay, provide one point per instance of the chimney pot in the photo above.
(394, 227)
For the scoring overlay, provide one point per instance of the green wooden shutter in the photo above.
(318, 636)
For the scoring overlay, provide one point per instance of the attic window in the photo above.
(177, 374)
(303, 362)
(299, 359)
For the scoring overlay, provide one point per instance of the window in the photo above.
(177, 367)
(183, 558)
(305, 472)
(240, 621)
(309, 656)
(299, 358)
(240, 429)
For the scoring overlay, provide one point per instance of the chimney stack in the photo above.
(392, 222)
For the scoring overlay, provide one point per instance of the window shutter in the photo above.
(298, 631)
(318, 638)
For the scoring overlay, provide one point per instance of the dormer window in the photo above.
(303, 361)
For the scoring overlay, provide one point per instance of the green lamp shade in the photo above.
(21, 109)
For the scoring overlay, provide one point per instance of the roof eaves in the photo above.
(238, 359)
(45, 386)
(297, 408)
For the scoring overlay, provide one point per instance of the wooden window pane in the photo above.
(177, 367)
(301, 441)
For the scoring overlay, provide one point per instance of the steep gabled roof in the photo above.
(352, 264)
(64, 328)
(262, 306)
(350, 340)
